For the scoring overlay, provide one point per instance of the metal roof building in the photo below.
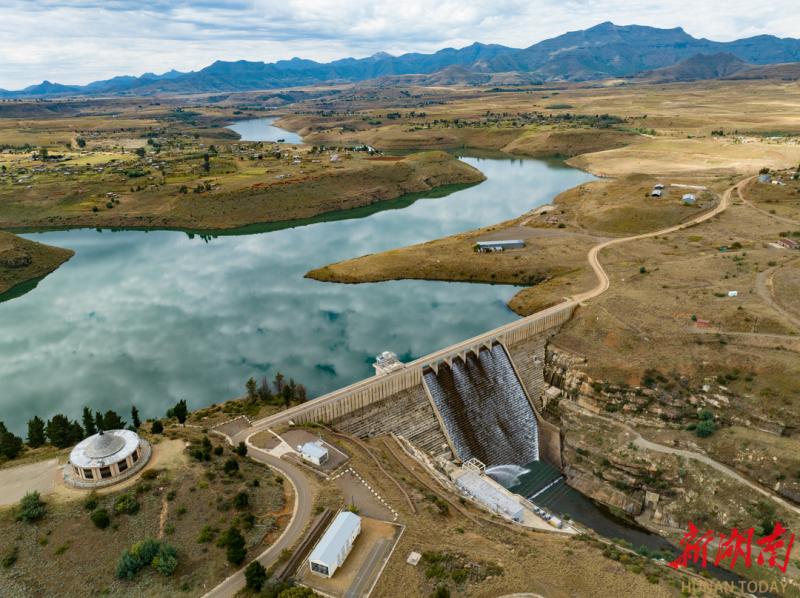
(500, 245)
(314, 452)
(331, 551)
(105, 457)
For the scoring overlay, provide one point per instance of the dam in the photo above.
(476, 399)
(485, 408)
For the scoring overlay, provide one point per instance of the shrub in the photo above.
(241, 449)
(10, 557)
(31, 508)
(100, 518)
(150, 474)
(160, 555)
(91, 502)
(255, 576)
(126, 503)
(241, 500)
(166, 561)
(157, 427)
(705, 428)
(206, 535)
(231, 466)
(218, 450)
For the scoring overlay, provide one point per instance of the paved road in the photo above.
(365, 575)
(300, 516)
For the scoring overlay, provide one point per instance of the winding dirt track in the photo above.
(604, 282)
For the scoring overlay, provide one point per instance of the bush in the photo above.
(166, 561)
(206, 535)
(10, 557)
(231, 466)
(157, 427)
(126, 503)
(31, 508)
(255, 576)
(241, 449)
(241, 500)
(91, 502)
(705, 428)
(100, 518)
(218, 450)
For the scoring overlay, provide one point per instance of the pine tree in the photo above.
(252, 390)
(278, 383)
(89, 426)
(180, 411)
(60, 431)
(36, 435)
(135, 417)
(10, 445)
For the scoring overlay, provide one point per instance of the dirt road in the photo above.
(765, 290)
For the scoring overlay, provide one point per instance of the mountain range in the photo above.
(600, 52)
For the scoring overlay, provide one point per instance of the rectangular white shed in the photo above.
(331, 551)
(314, 452)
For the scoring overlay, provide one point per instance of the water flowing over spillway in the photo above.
(485, 410)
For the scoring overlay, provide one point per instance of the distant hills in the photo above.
(603, 51)
(722, 65)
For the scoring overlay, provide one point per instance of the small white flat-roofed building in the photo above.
(105, 457)
(500, 245)
(336, 543)
(656, 193)
(314, 452)
(689, 199)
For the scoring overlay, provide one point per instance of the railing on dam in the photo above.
(370, 390)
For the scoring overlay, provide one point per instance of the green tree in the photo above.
(10, 445)
(157, 427)
(36, 435)
(255, 576)
(206, 162)
(278, 383)
(140, 151)
(241, 449)
(135, 417)
(63, 433)
(252, 390)
(287, 396)
(112, 421)
(264, 391)
(81, 142)
(89, 426)
(231, 466)
(301, 394)
(31, 508)
(233, 542)
(179, 411)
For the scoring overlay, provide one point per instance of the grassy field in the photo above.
(184, 502)
(23, 261)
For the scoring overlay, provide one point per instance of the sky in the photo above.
(79, 41)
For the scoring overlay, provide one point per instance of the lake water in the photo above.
(148, 318)
(261, 129)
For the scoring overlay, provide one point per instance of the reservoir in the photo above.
(148, 318)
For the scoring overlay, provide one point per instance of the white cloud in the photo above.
(77, 41)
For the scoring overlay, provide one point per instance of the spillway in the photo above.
(485, 409)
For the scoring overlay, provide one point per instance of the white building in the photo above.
(331, 551)
(314, 452)
(500, 245)
(105, 457)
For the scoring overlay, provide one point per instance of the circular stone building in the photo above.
(106, 458)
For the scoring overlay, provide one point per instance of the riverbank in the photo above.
(304, 185)
(23, 261)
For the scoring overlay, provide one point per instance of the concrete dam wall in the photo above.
(398, 401)
(485, 408)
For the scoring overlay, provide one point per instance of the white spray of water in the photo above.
(506, 475)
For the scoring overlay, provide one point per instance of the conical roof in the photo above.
(103, 445)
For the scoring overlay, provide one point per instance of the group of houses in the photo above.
(688, 199)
